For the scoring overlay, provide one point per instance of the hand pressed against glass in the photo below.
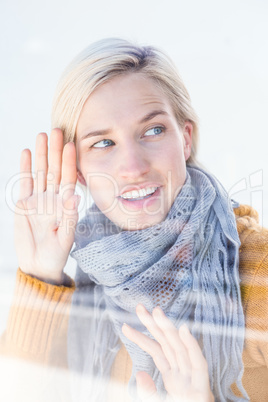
(46, 214)
(131, 151)
(177, 356)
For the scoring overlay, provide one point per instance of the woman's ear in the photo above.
(187, 135)
(80, 178)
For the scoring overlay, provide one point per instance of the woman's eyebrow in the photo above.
(151, 115)
(95, 133)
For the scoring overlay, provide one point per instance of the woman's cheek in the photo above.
(104, 190)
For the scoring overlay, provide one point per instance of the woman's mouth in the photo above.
(141, 198)
(141, 194)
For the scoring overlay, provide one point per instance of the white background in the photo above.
(220, 48)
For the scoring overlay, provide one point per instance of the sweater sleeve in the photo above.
(38, 321)
(253, 270)
(254, 291)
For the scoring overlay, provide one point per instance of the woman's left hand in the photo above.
(177, 356)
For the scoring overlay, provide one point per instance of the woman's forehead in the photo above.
(133, 91)
(132, 84)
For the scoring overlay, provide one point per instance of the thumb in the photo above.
(69, 220)
(146, 388)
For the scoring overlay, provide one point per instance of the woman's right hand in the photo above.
(46, 213)
(176, 354)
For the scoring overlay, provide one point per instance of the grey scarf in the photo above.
(187, 265)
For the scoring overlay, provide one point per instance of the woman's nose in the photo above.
(133, 162)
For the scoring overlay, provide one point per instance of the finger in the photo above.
(146, 388)
(26, 179)
(198, 361)
(171, 333)
(69, 172)
(195, 353)
(148, 320)
(148, 345)
(55, 159)
(40, 179)
(66, 229)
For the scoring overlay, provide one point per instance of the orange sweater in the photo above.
(38, 321)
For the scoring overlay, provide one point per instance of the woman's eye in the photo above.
(154, 131)
(103, 144)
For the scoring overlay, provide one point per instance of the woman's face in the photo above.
(131, 152)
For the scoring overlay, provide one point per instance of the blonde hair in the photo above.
(109, 58)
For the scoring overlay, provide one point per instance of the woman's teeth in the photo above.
(139, 194)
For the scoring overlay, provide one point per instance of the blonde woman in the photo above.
(157, 253)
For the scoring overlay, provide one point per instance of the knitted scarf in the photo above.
(187, 265)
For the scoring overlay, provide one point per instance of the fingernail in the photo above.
(140, 308)
(158, 310)
(184, 328)
(125, 326)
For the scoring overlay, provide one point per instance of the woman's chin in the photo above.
(139, 223)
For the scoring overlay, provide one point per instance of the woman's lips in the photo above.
(138, 199)
(141, 193)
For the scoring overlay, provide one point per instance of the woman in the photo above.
(160, 240)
